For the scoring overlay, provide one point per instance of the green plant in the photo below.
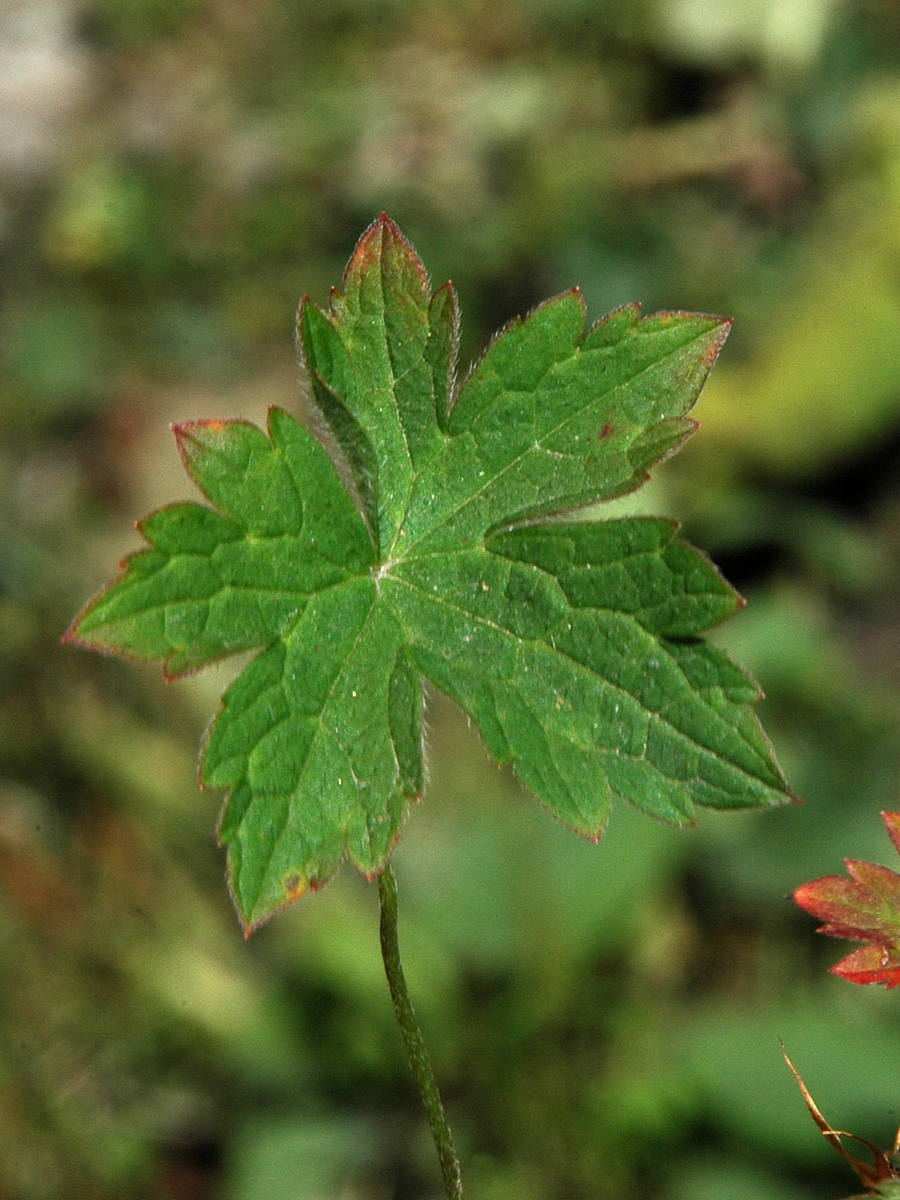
(417, 530)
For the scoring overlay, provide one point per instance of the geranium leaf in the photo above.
(864, 907)
(435, 545)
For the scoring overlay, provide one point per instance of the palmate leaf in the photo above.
(434, 549)
(865, 907)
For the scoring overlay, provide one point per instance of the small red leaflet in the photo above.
(864, 908)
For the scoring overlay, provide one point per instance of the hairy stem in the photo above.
(412, 1035)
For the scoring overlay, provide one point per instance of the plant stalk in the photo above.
(412, 1035)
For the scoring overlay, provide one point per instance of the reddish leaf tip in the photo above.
(715, 347)
(368, 250)
(182, 432)
(187, 429)
(191, 437)
(892, 825)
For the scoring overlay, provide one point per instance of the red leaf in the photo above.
(871, 964)
(865, 908)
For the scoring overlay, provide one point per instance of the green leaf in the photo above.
(434, 544)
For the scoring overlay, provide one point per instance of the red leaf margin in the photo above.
(864, 908)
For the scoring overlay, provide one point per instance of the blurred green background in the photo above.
(604, 1019)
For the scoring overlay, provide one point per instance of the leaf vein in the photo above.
(515, 462)
(653, 714)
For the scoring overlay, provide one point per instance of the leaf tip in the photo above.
(803, 895)
(190, 431)
(892, 825)
(718, 341)
(183, 433)
(172, 673)
(260, 912)
(70, 637)
(73, 636)
(382, 236)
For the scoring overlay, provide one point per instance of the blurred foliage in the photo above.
(605, 1019)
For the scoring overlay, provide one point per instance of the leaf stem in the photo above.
(412, 1035)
